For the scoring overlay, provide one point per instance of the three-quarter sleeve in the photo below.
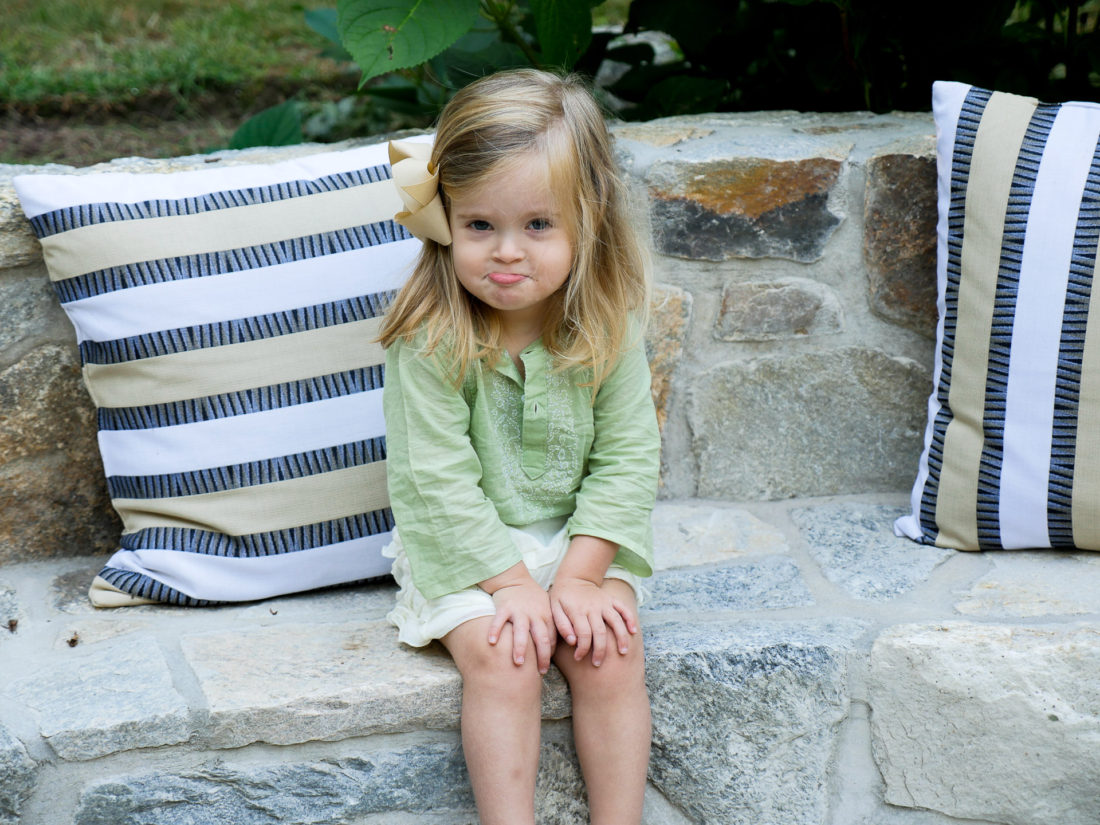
(616, 498)
(450, 529)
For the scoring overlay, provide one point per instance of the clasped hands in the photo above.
(578, 608)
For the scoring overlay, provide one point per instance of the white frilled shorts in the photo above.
(419, 620)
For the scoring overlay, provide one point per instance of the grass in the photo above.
(114, 53)
(83, 81)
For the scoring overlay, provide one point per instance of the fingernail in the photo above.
(519, 661)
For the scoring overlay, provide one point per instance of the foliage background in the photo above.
(163, 77)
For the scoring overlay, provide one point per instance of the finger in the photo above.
(614, 620)
(629, 617)
(500, 618)
(599, 641)
(562, 623)
(543, 647)
(520, 632)
(584, 637)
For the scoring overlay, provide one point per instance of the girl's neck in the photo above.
(517, 337)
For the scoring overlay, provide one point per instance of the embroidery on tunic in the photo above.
(564, 464)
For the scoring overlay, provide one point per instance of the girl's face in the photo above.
(511, 247)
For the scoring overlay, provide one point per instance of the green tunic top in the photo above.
(505, 449)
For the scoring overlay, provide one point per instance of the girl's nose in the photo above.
(507, 247)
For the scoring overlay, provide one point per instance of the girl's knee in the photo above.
(617, 673)
(490, 667)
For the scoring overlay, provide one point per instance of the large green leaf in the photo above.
(564, 30)
(278, 126)
(323, 21)
(385, 35)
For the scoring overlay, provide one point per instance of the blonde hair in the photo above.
(487, 125)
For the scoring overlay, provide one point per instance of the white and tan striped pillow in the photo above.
(225, 319)
(1012, 447)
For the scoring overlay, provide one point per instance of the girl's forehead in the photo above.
(524, 182)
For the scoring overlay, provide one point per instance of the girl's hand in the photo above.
(519, 600)
(583, 612)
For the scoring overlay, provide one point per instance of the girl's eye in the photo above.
(480, 226)
(540, 224)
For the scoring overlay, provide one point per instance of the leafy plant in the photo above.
(743, 55)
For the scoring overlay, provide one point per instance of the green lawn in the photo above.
(114, 52)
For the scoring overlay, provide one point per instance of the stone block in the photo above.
(105, 699)
(671, 314)
(1035, 583)
(17, 776)
(304, 682)
(743, 207)
(989, 722)
(821, 423)
(18, 245)
(11, 613)
(692, 534)
(420, 778)
(899, 239)
(762, 584)
(855, 545)
(787, 308)
(27, 305)
(746, 717)
(53, 499)
(391, 783)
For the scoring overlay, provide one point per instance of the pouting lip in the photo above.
(505, 278)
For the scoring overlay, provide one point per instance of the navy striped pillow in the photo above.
(1012, 447)
(225, 319)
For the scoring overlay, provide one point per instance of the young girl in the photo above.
(522, 440)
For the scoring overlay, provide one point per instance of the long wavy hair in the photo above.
(487, 125)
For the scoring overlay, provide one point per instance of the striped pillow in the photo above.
(225, 320)
(1012, 447)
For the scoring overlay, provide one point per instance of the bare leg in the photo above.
(501, 716)
(611, 726)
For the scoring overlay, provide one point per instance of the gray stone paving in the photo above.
(804, 666)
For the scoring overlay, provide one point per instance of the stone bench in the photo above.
(804, 665)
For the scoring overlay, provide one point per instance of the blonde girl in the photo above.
(522, 440)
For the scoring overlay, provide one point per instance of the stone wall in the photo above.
(805, 666)
(792, 336)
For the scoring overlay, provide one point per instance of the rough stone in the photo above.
(112, 697)
(427, 778)
(1036, 583)
(50, 468)
(694, 534)
(26, 307)
(18, 246)
(989, 722)
(899, 239)
(17, 777)
(857, 550)
(11, 613)
(420, 778)
(671, 314)
(764, 584)
(298, 683)
(787, 308)
(746, 717)
(743, 207)
(822, 423)
(661, 133)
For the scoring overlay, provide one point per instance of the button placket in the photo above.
(536, 422)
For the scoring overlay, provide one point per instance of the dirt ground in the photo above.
(78, 133)
(77, 142)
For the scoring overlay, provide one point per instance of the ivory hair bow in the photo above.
(417, 182)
